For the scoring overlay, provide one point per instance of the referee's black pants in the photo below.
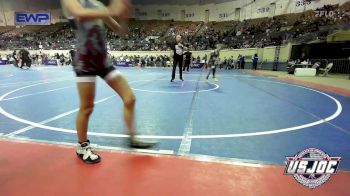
(177, 61)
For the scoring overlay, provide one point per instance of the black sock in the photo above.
(88, 141)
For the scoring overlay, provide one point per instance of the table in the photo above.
(305, 72)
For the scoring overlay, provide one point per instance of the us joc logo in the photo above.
(312, 167)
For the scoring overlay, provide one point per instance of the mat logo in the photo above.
(312, 167)
(23, 19)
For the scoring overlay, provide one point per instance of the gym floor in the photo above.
(217, 138)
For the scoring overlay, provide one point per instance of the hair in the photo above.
(105, 2)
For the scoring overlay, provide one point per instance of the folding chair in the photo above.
(326, 70)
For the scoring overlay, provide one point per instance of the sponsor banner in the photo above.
(3, 62)
(30, 18)
(51, 62)
(197, 65)
(122, 64)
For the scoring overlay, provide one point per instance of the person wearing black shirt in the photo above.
(14, 55)
(303, 58)
(72, 54)
(25, 59)
(177, 54)
(188, 59)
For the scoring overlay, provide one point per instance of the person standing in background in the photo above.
(188, 59)
(177, 55)
(255, 60)
(242, 61)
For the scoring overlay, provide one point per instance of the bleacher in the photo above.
(260, 32)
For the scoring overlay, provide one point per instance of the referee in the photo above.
(177, 54)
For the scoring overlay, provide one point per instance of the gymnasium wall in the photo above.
(227, 10)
